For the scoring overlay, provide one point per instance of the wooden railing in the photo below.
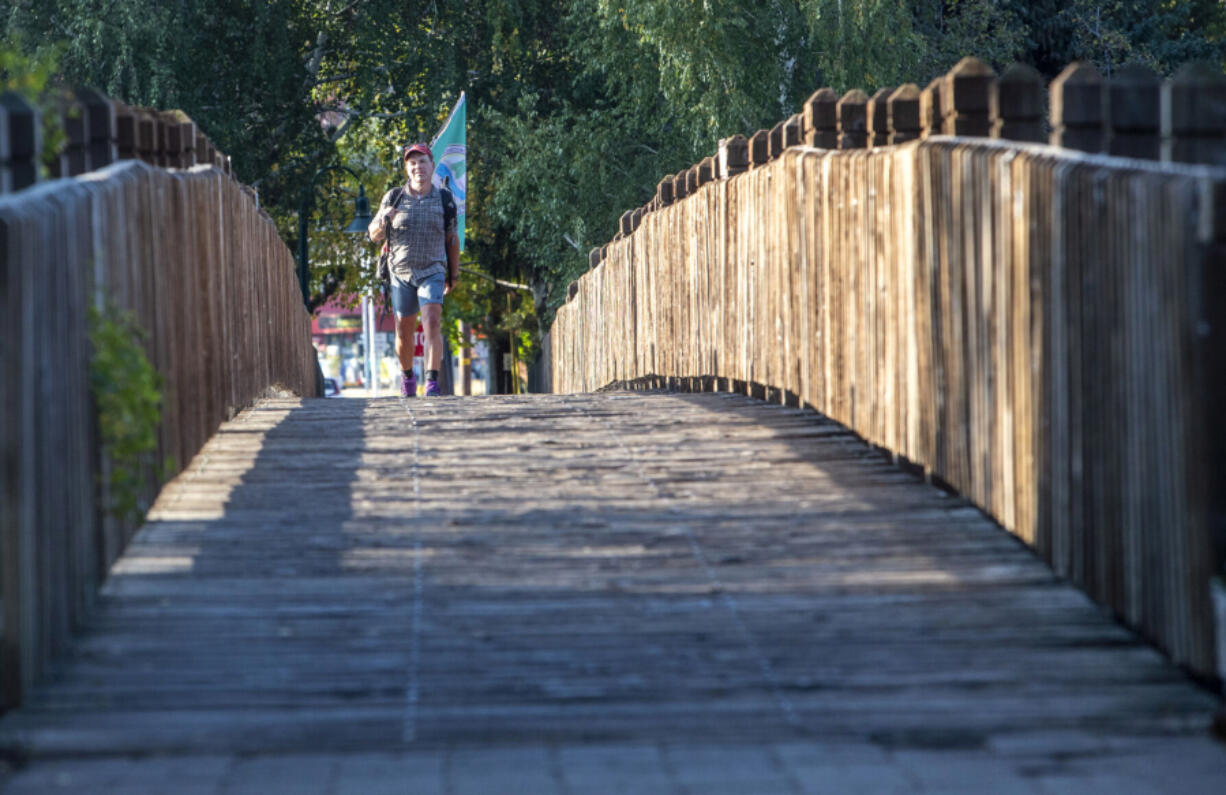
(207, 278)
(97, 131)
(1039, 328)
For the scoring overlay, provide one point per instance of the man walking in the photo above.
(419, 222)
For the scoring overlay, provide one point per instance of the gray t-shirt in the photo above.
(418, 239)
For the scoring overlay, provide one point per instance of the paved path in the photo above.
(621, 592)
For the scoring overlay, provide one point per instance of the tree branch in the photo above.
(335, 78)
(316, 59)
(346, 9)
(509, 285)
(353, 113)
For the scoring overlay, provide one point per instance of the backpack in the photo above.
(385, 256)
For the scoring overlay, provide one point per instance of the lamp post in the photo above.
(361, 219)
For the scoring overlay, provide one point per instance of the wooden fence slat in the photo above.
(165, 247)
(1018, 320)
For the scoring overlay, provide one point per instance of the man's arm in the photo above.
(375, 229)
(453, 260)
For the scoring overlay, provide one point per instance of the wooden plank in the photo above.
(655, 567)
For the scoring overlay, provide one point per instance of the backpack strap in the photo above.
(449, 208)
(392, 201)
(397, 192)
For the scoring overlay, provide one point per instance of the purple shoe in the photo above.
(408, 386)
(432, 389)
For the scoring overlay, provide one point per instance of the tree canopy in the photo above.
(576, 107)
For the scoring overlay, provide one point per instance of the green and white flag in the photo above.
(450, 150)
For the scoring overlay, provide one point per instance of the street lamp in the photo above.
(361, 219)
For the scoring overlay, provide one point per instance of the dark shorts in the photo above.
(408, 297)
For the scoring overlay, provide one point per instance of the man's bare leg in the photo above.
(432, 328)
(406, 329)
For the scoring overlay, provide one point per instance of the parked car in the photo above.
(331, 388)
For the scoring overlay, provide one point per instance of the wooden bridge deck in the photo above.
(380, 574)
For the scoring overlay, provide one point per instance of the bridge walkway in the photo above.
(632, 592)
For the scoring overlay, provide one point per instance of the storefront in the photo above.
(336, 331)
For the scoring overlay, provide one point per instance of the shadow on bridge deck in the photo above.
(621, 569)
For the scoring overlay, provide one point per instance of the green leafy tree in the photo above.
(952, 29)
(1159, 33)
(1163, 34)
(867, 44)
(576, 107)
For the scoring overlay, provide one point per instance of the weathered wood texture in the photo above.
(211, 283)
(1024, 322)
(507, 571)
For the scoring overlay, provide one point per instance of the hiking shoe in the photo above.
(408, 386)
(432, 389)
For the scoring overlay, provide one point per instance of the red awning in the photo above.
(342, 314)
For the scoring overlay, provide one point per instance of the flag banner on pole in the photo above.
(450, 150)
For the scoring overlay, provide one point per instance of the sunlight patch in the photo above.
(166, 564)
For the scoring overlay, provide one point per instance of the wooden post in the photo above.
(103, 135)
(73, 157)
(178, 139)
(664, 191)
(902, 112)
(851, 111)
(636, 218)
(626, 223)
(821, 119)
(930, 109)
(691, 180)
(188, 136)
(733, 156)
(21, 142)
(794, 130)
(759, 148)
(146, 137)
(966, 93)
(775, 145)
(1078, 113)
(876, 117)
(126, 132)
(1135, 113)
(1017, 105)
(595, 256)
(679, 189)
(1197, 114)
(172, 142)
(159, 139)
(204, 150)
(706, 170)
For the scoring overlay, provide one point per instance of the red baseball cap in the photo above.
(420, 148)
